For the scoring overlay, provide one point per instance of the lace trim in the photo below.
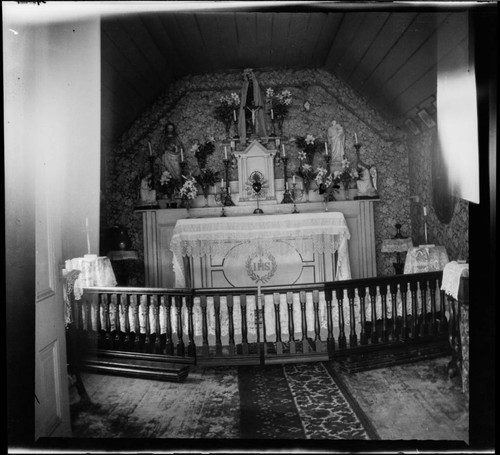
(452, 273)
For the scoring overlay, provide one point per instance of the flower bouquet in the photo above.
(325, 184)
(226, 110)
(347, 176)
(309, 145)
(278, 104)
(306, 172)
(207, 178)
(202, 151)
(188, 191)
(168, 185)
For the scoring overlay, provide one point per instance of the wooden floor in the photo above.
(415, 401)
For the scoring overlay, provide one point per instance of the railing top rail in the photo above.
(330, 285)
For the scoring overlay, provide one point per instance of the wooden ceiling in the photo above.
(388, 57)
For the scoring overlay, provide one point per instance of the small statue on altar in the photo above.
(147, 193)
(251, 118)
(367, 182)
(336, 140)
(173, 151)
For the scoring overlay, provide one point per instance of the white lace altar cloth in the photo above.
(452, 273)
(396, 245)
(199, 237)
(425, 258)
(95, 271)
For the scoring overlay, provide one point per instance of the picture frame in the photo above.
(410, 124)
(426, 118)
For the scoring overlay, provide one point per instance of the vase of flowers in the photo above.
(326, 185)
(226, 110)
(188, 192)
(278, 104)
(202, 152)
(346, 178)
(306, 172)
(207, 178)
(309, 145)
(168, 187)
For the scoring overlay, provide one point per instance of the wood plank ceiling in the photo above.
(390, 58)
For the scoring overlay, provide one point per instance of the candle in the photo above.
(150, 151)
(225, 152)
(222, 183)
(258, 291)
(425, 210)
(182, 155)
(286, 186)
(326, 149)
(88, 235)
(293, 179)
(272, 114)
(234, 114)
(355, 138)
(283, 148)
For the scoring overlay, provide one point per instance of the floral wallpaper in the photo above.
(190, 103)
(454, 236)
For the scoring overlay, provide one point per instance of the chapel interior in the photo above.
(208, 186)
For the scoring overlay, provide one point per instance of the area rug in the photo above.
(297, 401)
(280, 402)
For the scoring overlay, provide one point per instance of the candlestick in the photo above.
(150, 151)
(425, 210)
(283, 148)
(182, 155)
(234, 115)
(326, 149)
(355, 138)
(88, 235)
(272, 114)
(225, 152)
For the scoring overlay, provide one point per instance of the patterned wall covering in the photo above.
(189, 104)
(453, 236)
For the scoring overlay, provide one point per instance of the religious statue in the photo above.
(336, 139)
(367, 182)
(172, 152)
(148, 194)
(251, 118)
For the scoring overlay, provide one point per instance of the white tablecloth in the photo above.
(206, 236)
(452, 273)
(426, 258)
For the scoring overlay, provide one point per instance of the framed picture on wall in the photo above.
(412, 126)
(426, 118)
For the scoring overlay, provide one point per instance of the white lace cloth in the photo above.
(209, 236)
(452, 273)
(426, 258)
(95, 271)
(396, 245)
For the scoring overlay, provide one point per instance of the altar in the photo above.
(245, 251)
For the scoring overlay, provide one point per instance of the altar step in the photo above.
(138, 365)
(393, 355)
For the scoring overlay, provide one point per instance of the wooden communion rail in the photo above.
(158, 332)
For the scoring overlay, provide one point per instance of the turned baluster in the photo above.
(403, 288)
(117, 337)
(413, 294)
(330, 340)
(339, 293)
(363, 336)
(263, 318)
(135, 309)
(353, 338)
(394, 290)
(180, 335)
(291, 328)
(423, 295)
(191, 346)
(305, 344)
(317, 338)
(383, 296)
(144, 299)
(169, 343)
(156, 315)
(126, 321)
(432, 292)
(103, 318)
(204, 325)
(443, 323)
(372, 290)
(218, 342)
(244, 327)
(230, 306)
(277, 322)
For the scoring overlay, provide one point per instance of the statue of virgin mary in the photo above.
(251, 107)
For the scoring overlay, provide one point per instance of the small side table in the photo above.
(119, 257)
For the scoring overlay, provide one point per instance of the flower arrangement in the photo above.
(306, 172)
(202, 151)
(309, 145)
(168, 184)
(347, 175)
(206, 178)
(188, 191)
(278, 103)
(326, 183)
(226, 110)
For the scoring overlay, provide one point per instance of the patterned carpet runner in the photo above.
(292, 401)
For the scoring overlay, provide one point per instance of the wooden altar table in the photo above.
(264, 249)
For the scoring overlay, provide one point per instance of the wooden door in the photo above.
(52, 417)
